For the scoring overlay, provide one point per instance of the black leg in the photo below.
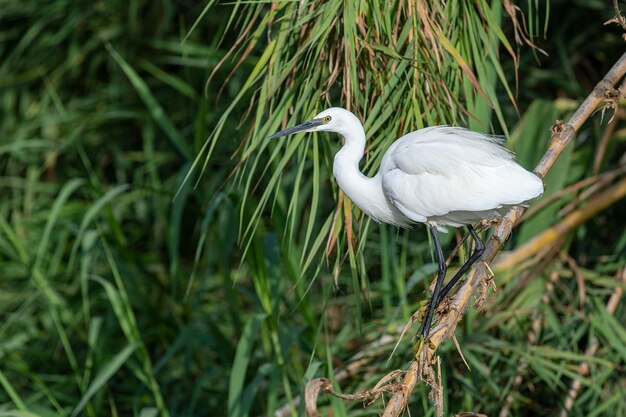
(441, 273)
(479, 247)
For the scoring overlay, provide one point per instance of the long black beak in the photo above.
(300, 128)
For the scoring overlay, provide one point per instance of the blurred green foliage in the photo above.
(126, 290)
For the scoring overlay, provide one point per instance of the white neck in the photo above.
(365, 192)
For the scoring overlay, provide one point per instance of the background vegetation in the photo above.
(125, 290)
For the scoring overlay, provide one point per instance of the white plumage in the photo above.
(446, 176)
(442, 176)
(452, 177)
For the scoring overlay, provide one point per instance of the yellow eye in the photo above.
(327, 119)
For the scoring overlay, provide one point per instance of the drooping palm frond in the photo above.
(398, 66)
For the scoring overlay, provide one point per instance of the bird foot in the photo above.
(418, 347)
(488, 223)
(421, 311)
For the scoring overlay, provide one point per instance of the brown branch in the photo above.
(618, 19)
(562, 134)
(355, 365)
(389, 383)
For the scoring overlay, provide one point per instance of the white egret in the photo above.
(442, 176)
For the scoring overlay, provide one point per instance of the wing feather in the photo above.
(436, 171)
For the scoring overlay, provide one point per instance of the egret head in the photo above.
(334, 119)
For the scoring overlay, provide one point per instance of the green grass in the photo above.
(158, 257)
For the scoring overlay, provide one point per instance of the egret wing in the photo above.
(444, 170)
(435, 149)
